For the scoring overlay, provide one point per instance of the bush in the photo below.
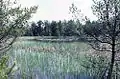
(5, 70)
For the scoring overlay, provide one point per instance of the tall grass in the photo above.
(48, 60)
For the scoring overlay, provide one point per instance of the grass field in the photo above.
(48, 60)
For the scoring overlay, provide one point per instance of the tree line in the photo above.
(59, 28)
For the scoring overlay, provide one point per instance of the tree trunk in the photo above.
(112, 61)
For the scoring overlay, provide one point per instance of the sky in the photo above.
(58, 9)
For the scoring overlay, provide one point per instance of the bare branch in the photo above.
(97, 39)
(98, 49)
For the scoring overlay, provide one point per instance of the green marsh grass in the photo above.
(48, 57)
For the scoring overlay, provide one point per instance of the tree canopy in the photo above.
(13, 18)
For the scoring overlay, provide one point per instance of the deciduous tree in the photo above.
(12, 19)
(107, 30)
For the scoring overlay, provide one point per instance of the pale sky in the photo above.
(58, 9)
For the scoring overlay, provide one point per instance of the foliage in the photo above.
(96, 64)
(54, 28)
(106, 30)
(13, 19)
(5, 71)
